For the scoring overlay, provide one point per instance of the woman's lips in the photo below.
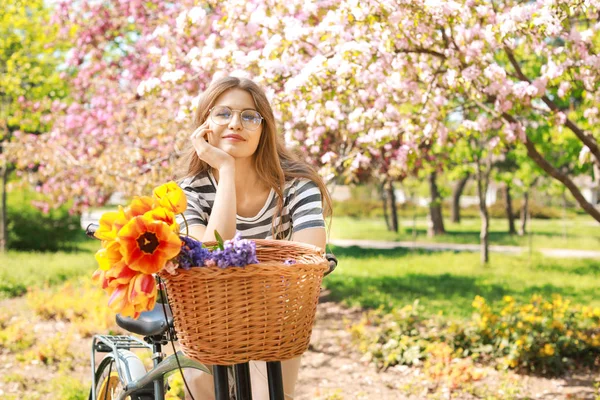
(235, 138)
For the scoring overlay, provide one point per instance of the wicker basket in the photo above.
(260, 312)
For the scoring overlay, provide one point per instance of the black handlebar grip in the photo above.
(91, 229)
(333, 262)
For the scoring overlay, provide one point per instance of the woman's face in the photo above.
(233, 137)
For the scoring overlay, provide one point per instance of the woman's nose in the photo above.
(236, 122)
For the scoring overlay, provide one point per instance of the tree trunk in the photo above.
(436, 222)
(509, 211)
(3, 213)
(456, 193)
(394, 210)
(482, 186)
(384, 199)
(524, 214)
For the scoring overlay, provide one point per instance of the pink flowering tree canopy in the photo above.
(350, 83)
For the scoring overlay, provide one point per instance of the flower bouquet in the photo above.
(143, 239)
(232, 301)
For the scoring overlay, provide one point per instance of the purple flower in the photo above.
(289, 261)
(192, 253)
(237, 252)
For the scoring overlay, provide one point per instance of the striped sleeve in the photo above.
(306, 207)
(198, 208)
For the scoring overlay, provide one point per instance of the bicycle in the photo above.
(122, 374)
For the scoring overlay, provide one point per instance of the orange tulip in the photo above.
(139, 206)
(142, 292)
(163, 214)
(99, 278)
(171, 197)
(119, 302)
(110, 224)
(119, 274)
(109, 255)
(146, 244)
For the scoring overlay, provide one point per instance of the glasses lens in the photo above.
(221, 115)
(251, 119)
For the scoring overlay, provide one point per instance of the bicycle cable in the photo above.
(171, 330)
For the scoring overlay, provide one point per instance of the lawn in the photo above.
(447, 282)
(581, 232)
(20, 270)
(442, 281)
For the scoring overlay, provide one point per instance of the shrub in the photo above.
(546, 336)
(76, 301)
(358, 208)
(541, 336)
(31, 229)
(498, 210)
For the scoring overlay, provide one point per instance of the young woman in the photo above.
(241, 178)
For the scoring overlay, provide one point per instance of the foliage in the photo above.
(33, 229)
(30, 53)
(541, 336)
(514, 73)
(76, 301)
(357, 208)
(23, 270)
(16, 336)
(545, 335)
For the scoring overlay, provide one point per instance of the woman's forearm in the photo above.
(223, 214)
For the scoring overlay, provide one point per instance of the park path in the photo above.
(94, 216)
(378, 244)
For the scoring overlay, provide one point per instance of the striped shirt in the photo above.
(302, 207)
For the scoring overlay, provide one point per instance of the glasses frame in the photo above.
(241, 119)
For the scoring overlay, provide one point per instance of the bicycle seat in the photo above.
(149, 323)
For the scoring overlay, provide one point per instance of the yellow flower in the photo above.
(558, 325)
(109, 255)
(508, 299)
(547, 350)
(147, 244)
(111, 223)
(140, 205)
(171, 197)
(478, 302)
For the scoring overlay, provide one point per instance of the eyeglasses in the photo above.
(222, 115)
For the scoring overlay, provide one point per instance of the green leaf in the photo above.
(219, 240)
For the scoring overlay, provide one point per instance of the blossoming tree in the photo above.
(346, 79)
(29, 82)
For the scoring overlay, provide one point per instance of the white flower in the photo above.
(173, 76)
(196, 14)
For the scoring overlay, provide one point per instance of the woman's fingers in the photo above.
(201, 131)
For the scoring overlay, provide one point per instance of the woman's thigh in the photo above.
(202, 386)
(260, 383)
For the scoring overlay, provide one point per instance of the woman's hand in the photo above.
(208, 153)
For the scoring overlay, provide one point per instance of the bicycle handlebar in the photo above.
(331, 259)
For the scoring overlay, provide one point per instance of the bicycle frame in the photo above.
(134, 378)
(131, 370)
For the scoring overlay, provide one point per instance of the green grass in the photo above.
(447, 282)
(20, 270)
(581, 232)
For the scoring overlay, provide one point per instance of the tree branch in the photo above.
(422, 51)
(587, 140)
(556, 174)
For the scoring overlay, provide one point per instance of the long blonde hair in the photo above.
(274, 163)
